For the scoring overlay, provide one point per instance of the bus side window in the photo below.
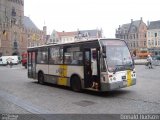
(56, 56)
(68, 58)
(77, 58)
(42, 56)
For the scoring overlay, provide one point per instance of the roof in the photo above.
(66, 33)
(136, 23)
(127, 27)
(29, 24)
(76, 42)
(154, 25)
(89, 32)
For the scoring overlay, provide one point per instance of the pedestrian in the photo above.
(9, 62)
(149, 61)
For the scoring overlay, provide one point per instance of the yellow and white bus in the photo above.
(69, 64)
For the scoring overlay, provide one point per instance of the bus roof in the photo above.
(87, 40)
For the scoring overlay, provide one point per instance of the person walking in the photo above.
(149, 61)
(9, 62)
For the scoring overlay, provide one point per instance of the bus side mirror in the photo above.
(104, 55)
(104, 51)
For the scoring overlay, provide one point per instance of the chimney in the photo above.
(141, 19)
(131, 20)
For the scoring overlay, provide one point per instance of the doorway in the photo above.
(89, 54)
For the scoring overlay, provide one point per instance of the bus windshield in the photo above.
(118, 57)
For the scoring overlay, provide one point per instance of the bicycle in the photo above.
(149, 65)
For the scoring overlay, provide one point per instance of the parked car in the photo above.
(156, 60)
(5, 60)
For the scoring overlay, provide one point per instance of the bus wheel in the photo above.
(76, 83)
(40, 78)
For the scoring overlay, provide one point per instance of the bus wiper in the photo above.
(117, 67)
(121, 67)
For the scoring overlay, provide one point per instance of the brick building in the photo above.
(134, 33)
(17, 31)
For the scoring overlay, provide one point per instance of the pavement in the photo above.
(21, 95)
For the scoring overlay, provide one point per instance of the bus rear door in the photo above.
(87, 68)
(32, 64)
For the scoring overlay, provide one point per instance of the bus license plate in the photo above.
(124, 82)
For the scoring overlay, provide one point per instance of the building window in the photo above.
(13, 12)
(152, 42)
(15, 45)
(151, 34)
(148, 34)
(155, 42)
(159, 42)
(155, 34)
(134, 36)
(149, 43)
(144, 43)
(134, 44)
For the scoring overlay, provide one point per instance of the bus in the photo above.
(70, 64)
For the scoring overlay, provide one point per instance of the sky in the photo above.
(71, 15)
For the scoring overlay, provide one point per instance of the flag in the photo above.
(33, 37)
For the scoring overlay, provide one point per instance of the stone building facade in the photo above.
(17, 31)
(134, 33)
(153, 37)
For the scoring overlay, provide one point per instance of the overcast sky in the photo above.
(70, 15)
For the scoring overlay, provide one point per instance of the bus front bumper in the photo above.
(115, 85)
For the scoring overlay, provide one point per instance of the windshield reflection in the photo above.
(118, 58)
(117, 55)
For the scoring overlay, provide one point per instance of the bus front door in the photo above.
(32, 64)
(87, 68)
